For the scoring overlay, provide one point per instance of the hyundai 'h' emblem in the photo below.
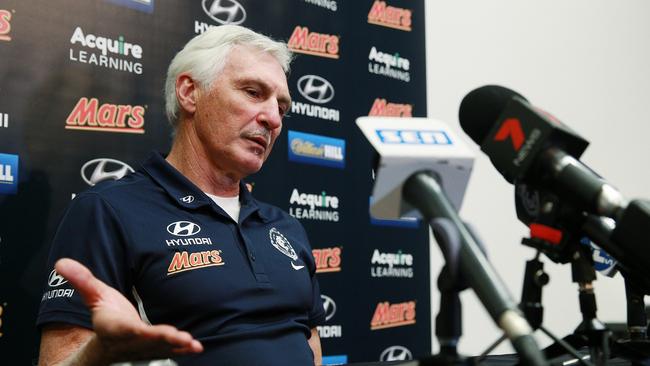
(315, 89)
(225, 11)
(183, 228)
(99, 170)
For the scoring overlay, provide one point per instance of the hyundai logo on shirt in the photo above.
(8, 174)
(316, 149)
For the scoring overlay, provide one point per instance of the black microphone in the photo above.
(528, 145)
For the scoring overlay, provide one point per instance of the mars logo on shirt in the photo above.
(186, 261)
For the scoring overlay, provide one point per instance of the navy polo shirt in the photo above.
(246, 290)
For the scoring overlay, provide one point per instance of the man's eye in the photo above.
(252, 92)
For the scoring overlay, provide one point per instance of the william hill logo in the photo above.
(5, 25)
(383, 108)
(390, 16)
(89, 115)
(184, 261)
(312, 43)
(327, 259)
(389, 315)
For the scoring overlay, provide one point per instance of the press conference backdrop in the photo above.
(586, 62)
(81, 101)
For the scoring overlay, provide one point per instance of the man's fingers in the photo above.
(179, 340)
(81, 278)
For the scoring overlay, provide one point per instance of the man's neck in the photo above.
(190, 159)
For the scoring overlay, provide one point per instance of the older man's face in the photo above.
(238, 120)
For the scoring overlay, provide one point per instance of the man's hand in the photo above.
(120, 334)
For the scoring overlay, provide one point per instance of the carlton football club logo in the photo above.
(281, 243)
(225, 11)
(99, 170)
(396, 353)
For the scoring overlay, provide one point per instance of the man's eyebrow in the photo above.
(264, 85)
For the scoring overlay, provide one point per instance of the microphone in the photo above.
(528, 145)
(424, 165)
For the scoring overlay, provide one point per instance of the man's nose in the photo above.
(270, 117)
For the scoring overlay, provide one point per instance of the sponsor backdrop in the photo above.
(81, 102)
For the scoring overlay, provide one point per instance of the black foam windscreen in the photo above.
(481, 108)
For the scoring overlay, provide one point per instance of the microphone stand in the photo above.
(423, 192)
(531, 304)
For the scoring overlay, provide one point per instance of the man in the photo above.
(183, 240)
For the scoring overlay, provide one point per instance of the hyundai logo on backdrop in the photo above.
(8, 173)
(329, 331)
(396, 353)
(99, 170)
(225, 11)
(315, 89)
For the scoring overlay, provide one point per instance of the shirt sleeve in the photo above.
(90, 232)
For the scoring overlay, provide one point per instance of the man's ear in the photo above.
(186, 93)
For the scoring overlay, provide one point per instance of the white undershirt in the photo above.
(229, 204)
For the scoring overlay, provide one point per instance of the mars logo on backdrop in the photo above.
(89, 115)
(5, 25)
(389, 315)
(390, 16)
(327, 259)
(383, 108)
(312, 43)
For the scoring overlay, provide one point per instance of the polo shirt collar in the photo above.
(186, 194)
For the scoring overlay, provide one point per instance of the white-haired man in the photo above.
(225, 279)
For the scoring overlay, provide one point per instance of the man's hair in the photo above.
(204, 57)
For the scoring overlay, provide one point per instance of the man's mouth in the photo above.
(260, 140)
